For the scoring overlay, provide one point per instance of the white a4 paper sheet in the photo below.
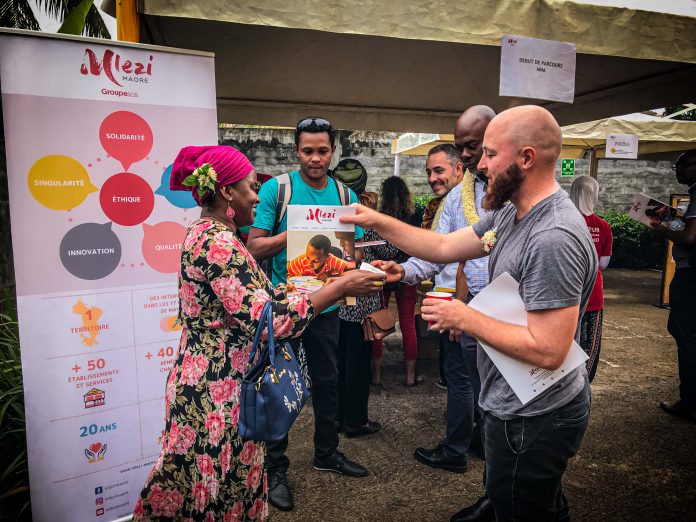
(501, 300)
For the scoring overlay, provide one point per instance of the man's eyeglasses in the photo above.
(313, 124)
(682, 166)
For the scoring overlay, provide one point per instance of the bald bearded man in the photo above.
(543, 242)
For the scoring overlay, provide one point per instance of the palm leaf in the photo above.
(93, 24)
(53, 8)
(17, 14)
(74, 23)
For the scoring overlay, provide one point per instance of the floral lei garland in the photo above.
(469, 202)
(469, 199)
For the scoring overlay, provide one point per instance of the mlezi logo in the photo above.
(113, 65)
(512, 42)
(95, 452)
(319, 215)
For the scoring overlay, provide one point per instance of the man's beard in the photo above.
(500, 191)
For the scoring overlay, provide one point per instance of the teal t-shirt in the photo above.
(302, 194)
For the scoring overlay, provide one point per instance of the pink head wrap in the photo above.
(229, 164)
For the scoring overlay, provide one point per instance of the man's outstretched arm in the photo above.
(418, 242)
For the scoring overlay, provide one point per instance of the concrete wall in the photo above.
(272, 151)
(620, 180)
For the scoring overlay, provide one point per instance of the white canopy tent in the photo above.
(411, 66)
(656, 136)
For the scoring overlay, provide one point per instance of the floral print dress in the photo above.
(205, 470)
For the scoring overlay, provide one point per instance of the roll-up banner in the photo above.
(91, 130)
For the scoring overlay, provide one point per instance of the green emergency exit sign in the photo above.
(567, 168)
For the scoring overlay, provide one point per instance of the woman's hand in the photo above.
(360, 283)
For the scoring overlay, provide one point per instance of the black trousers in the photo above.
(320, 341)
(526, 458)
(354, 374)
(682, 326)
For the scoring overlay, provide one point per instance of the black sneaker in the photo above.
(441, 383)
(338, 463)
(279, 494)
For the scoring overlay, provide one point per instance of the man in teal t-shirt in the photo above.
(302, 194)
(311, 185)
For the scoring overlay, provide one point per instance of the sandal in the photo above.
(418, 380)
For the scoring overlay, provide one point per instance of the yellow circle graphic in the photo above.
(59, 182)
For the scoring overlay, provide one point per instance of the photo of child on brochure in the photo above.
(319, 246)
(321, 259)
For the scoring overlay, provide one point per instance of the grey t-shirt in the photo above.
(550, 253)
(680, 253)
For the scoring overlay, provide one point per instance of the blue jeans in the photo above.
(462, 393)
(526, 458)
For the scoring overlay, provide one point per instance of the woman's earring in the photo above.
(230, 213)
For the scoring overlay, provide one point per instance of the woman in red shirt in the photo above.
(584, 192)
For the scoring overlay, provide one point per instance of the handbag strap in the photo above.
(265, 319)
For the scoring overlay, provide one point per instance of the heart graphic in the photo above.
(96, 447)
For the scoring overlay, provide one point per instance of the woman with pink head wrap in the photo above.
(205, 470)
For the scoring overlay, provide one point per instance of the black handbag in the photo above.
(273, 390)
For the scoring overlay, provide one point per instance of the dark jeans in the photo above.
(354, 374)
(441, 360)
(320, 340)
(526, 458)
(461, 394)
(682, 326)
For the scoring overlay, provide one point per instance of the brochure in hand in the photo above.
(652, 212)
(320, 248)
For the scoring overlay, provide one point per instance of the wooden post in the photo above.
(594, 162)
(127, 21)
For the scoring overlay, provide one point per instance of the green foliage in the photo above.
(635, 245)
(419, 203)
(17, 14)
(74, 22)
(14, 474)
(87, 20)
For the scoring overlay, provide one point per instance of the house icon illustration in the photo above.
(94, 397)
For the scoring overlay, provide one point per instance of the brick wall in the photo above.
(272, 151)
